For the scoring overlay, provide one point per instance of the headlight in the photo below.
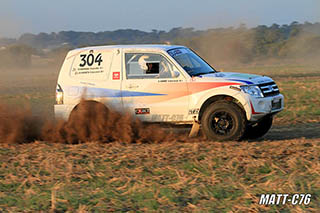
(252, 90)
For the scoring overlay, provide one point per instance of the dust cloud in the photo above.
(225, 47)
(232, 47)
(90, 121)
(18, 125)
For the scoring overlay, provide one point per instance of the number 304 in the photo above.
(90, 59)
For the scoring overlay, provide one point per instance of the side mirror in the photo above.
(176, 74)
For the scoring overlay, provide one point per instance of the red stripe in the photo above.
(196, 87)
(252, 109)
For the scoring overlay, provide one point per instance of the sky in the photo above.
(35, 16)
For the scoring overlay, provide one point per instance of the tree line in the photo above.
(233, 44)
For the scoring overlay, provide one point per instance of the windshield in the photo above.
(191, 62)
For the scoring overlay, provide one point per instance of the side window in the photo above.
(91, 65)
(147, 65)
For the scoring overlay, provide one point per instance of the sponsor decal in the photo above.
(194, 111)
(116, 76)
(165, 81)
(140, 111)
(219, 74)
(176, 52)
(282, 199)
(167, 117)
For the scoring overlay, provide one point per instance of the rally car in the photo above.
(168, 83)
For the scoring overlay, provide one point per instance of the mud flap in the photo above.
(194, 130)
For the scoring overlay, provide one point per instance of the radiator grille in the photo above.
(269, 89)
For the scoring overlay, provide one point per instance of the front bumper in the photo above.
(261, 107)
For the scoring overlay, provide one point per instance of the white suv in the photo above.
(166, 83)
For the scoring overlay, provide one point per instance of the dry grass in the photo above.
(180, 176)
(301, 100)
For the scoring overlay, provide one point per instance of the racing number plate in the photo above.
(276, 103)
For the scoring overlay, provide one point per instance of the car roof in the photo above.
(158, 47)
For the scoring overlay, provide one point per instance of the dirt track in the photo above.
(287, 132)
(284, 132)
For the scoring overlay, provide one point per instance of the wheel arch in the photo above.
(215, 98)
(84, 101)
(87, 101)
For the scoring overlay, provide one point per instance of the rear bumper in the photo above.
(62, 111)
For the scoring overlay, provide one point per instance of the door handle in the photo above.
(133, 86)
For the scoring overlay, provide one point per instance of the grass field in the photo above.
(174, 176)
(177, 176)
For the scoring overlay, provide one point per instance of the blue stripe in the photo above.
(243, 81)
(126, 93)
(103, 92)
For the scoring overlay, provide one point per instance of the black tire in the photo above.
(259, 129)
(223, 121)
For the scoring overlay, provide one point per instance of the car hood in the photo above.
(237, 77)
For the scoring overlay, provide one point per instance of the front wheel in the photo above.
(223, 121)
(259, 129)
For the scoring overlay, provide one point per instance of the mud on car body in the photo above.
(167, 83)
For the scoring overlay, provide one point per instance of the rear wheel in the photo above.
(259, 129)
(223, 121)
(87, 121)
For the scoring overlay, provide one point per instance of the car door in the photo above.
(153, 89)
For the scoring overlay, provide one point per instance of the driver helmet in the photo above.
(142, 62)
